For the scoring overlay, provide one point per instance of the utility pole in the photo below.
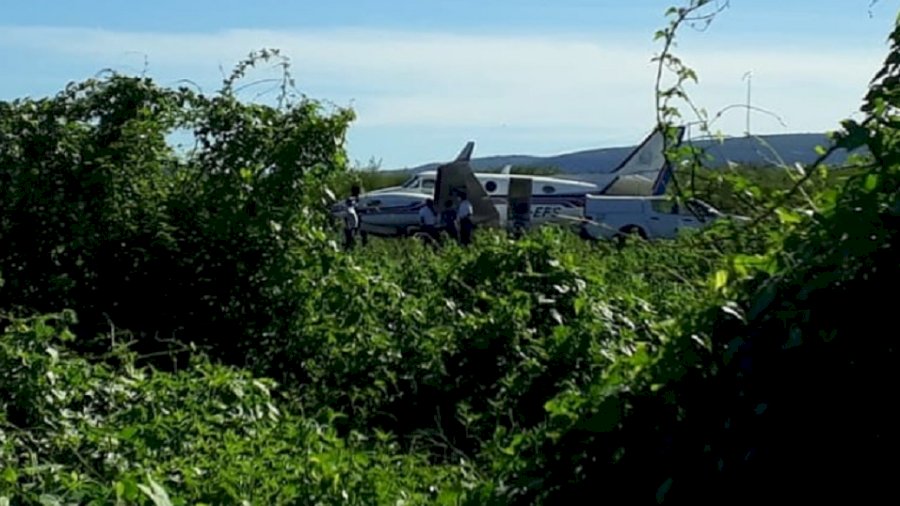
(749, 78)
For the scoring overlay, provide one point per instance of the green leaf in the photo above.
(721, 279)
(49, 500)
(130, 490)
(788, 217)
(871, 182)
(10, 475)
(580, 302)
(127, 433)
(641, 357)
(156, 493)
(663, 490)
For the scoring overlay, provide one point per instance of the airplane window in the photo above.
(549, 189)
(428, 184)
(490, 186)
(412, 182)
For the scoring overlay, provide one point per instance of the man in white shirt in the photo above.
(355, 191)
(428, 218)
(351, 223)
(465, 220)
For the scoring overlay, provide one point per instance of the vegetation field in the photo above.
(183, 328)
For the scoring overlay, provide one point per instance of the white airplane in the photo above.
(537, 199)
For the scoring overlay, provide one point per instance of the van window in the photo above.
(664, 206)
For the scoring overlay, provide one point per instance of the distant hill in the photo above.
(766, 150)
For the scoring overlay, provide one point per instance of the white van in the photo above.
(649, 217)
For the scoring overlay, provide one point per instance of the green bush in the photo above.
(100, 215)
(73, 431)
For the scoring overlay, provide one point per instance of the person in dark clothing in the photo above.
(448, 219)
(465, 220)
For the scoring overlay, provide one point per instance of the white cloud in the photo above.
(438, 80)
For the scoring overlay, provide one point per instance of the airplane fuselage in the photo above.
(389, 211)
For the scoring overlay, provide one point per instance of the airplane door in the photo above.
(518, 214)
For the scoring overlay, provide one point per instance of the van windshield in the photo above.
(703, 209)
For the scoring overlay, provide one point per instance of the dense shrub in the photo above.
(98, 213)
(76, 432)
(775, 385)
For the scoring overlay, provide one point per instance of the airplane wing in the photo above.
(458, 175)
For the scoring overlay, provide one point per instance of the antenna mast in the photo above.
(749, 78)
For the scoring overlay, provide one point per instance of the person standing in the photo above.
(351, 223)
(355, 190)
(428, 219)
(448, 220)
(465, 220)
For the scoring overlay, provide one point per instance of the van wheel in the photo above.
(634, 229)
(630, 231)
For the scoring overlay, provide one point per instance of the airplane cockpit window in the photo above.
(490, 186)
(412, 182)
(428, 184)
(549, 189)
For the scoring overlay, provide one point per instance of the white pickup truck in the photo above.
(608, 217)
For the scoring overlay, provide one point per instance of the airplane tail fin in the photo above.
(665, 175)
(662, 181)
(506, 169)
(458, 176)
(646, 169)
(466, 154)
(648, 157)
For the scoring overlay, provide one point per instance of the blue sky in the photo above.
(525, 76)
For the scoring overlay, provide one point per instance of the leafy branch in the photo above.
(287, 81)
(698, 13)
